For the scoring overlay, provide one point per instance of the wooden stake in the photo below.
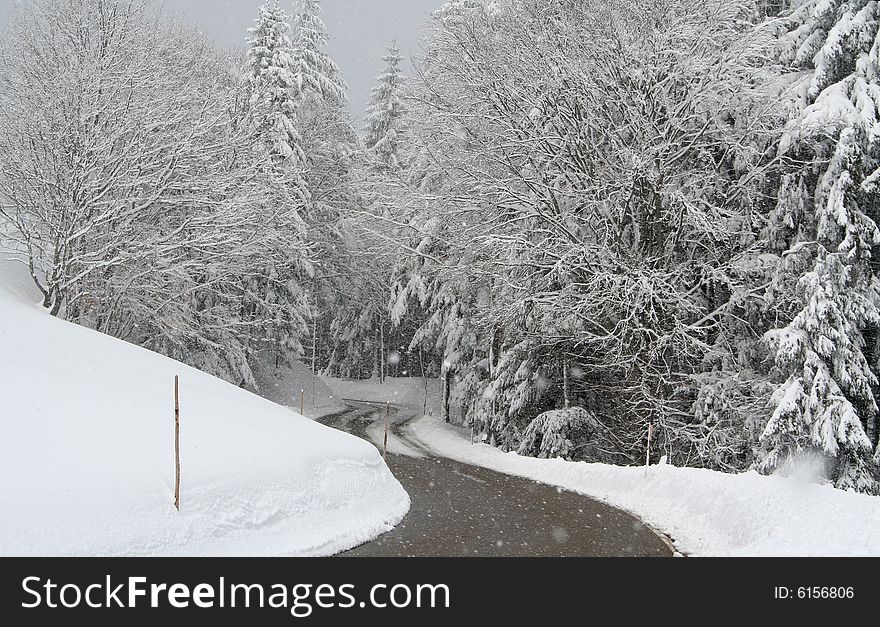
(302, 402)
(650, 436)
(385, 445)
(383, 358)
(177, 442)
(314, 351)
(444, 375)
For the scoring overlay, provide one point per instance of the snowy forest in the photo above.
(584, 217)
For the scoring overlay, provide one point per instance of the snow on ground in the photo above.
(86, 455)
(402, 392)
(409, 392)
(396, 446)
(293, 385)
(706, 513)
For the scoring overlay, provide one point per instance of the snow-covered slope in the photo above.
(87, 463)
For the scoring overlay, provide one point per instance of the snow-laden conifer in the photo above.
(827, 206)
(313, 69)
(384, 127)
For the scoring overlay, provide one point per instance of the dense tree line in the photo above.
(131, 176)
(165, 193)
(656, 211)
(584, 216)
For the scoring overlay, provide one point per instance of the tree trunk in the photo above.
(565, 384)
(422, 368)
(488, 426)
(52, 302)
(376, 359)
(872, 430)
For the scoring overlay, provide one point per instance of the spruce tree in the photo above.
(313, 69)
(275, 114)
(383, 131)
(273, 84)
(828, 404)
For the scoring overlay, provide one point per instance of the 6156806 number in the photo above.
(825, 592)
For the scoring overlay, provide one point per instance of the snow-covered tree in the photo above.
(816, 416)
(564, 433)
(313, 69)
(828, 201)
(362, 329)
(331, 147)
(587, 188)
(384, 132)
(773, 7)
(274, 86)
(130, 184)
(455, 12)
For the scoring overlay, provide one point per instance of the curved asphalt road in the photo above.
(462, 510)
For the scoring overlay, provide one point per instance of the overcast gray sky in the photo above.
(361, 29)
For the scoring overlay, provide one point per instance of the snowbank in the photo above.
(704, 512)
(86, 456)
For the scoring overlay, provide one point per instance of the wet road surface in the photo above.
(467, 511)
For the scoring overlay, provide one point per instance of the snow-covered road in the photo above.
(462, 510)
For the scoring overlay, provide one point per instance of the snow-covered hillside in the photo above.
(87, 463)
